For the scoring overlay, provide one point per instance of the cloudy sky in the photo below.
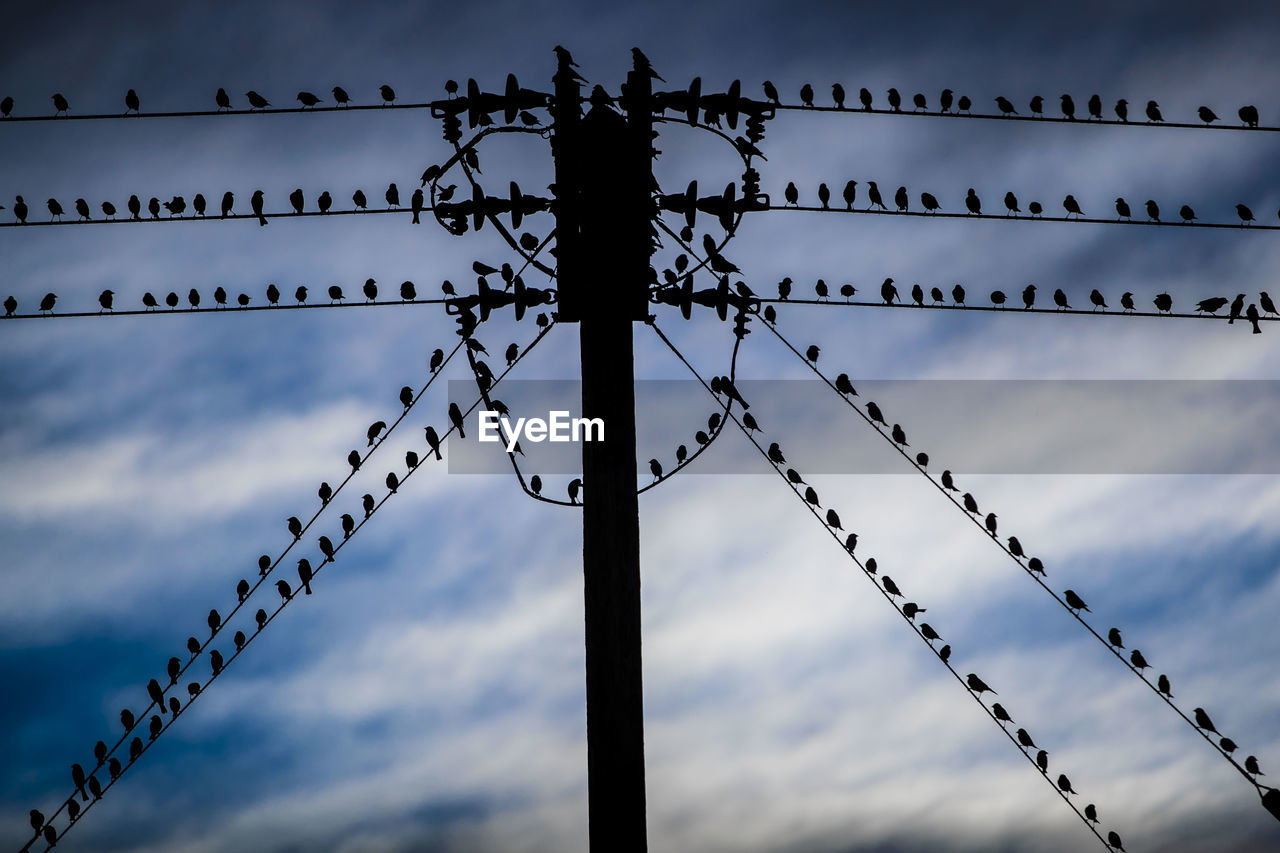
(429, 695)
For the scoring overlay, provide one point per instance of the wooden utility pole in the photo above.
(603, 209)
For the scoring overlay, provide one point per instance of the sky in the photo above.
(430, 694)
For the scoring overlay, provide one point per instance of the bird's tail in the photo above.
(262, 220)
(415, 218)
(307, 587)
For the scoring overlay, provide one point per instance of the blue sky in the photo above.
(429, 696)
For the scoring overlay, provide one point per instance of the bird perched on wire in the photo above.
(256, 101)
(105, 300)
(1095, 107)
(945, 100)
(888, 292)
(1186, 213)
(1163, 303)
(901, 200)
(1006, 106)
(899, 436)
(455, 417)
(1068, 107)
(1251, 314)
(806, 95)
(1072, 206)
(1237, 306)
(1122, 110)
(873, 196)
(791, 193)
(1212, 304)
(307, 99)
(844, 386)
(392, 195)
(972, 202)
(574, 488)
(296, 200)
(929, 202)
(957, 294)
(998, 298)
(1153, 112)
(1060, 299)
(55, 209)
(1075, 602)
(222, 100)
(977, 685)
(771, 92)
(873, 411)
(895, 100)
(1095, 296)
(60, 104)
(255, 201)
(1011, 204)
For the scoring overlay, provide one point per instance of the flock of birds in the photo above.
(1163, 301)
(177, 206)
(973, 204)
(950, 104)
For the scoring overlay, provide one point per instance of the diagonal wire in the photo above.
(284, 603)
(945, 662)
(1031, 574)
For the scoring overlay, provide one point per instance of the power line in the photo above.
(188, 219)
(999, 309)
(349, 108)
(870, 573)
(284, 603)
(939, 214)
(1026, 567)
(223, 309)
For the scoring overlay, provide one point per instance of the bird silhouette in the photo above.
(888, 292)
(256, 101)
(1237, 305)
(1075, 602)
(392, 195)
(300, 294)
(1153, 210)
(935, 293)
(1245, 214)
(1248, 115)
(60, 104)
(10, 306)
(222, 99)
(997, 298)
(844, 386)
(792, 194)
(220, 296)
(926, 631)
(1163, 303)
(20, 209)
(105, 300)
(945, 100)
(1072, 206)
(55, 209)
(455, 417)
(296, 199)
(1203, 721)
(1095, 296)
(812, 353)
(46, 304)
(367, 504)
(6, 106)
(1251, 314)
(1212, 304)
(1006, 106)
(806, 95)
(153, 207)
(899, 436)
(415, 204)
(1060, 299)
(849, 194)
(171, 300)
(910, 609)
(917, 294)
(873, 196)
(575, 487)
(977, 685)
(1035, 565)
(1251, 766)
(820, 289)
(895, 100)
(82, 208)
(286, 593)
(1028, 296)
(972, 202)
(193, 297)
(304, 575)
(944, 653)
(1042, 760)
(1126, 301)
(1095, 107)
(775, 454)
(335, 294)
(928, 202)
(1122, 110)
(873, 411)
(1207, 115)
(890, 587)
(900, 199)
(1153, 112)
(1138, 660)
(771, 92)
(340, 96)
(851, 542)
(1122, 208)
(156, 693)
(1011, 204)
(957, 294)
(1186, 213)
(970, 503)
(837, 95)
(358, 199)
(811, 496)
(990, 522)
(1068, 107)
(1064, 784)
(407, 291)
(1035, 208)
(919, 102)
(1037, 106)
(326, 545)
(307, 99)
(255, 201)
(1114, 638)
(864, 98)
(1113, 838)
(199, 204)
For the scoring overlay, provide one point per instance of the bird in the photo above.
(1153, 112)
(1114, 638)
(304, 574)
(82, 208)
(46, 304)
(1035, 208)
(10, 306)
(220, 296)
(771, 92)
(286, 593)
(656, 468)
(326, 546)
(1005, 105)
(1203, 721)
(990, 522)
(55, 209)
(1153, 210)
(242, 591)
(575, 486)
(354, 460)
(437, 359)
(812, 353)
(792, 194)
(340, 96)
(105, 299)
(455, 417)
(1064, 784)
(1072, 206)
(1075, 602)
(300, 294)
(392, 195)
(873, 411)
(844, 386)
(837, 95)
(1126, 300)
(919, 102)
(415, 204)
(20, 209)
(899, 436)
(388, 94)
(977, 685)
(945, 100)
(957, 294)
(1011, 204)
(929, 202)
(1068, 107)
(222, 99)
(997, 297)
(1186, 213)
(296, 199)
(922, 459)
(535, 484)
(273, 294)
(910, 609)
(255, 201)
(1138, 660)
(1122, 110)
(1251, 766)
(1060, 299)
(407, 291)
(895, 100)
(1035, 565)
(917, 294)
(199, 204)
(307, 99)
(193, 297)
(1248, 115)
(1163, 303)
(888, 292)
(1228, 745)
(1245, 214)
(1212, 304)
(1113, 838)
(1095, 296)
(1000, 713)
(1207, 115)
(890, 587)
(775, 454)
(944, 653)
(935, 293)
(1122, 209)
(156, 693)
(375, 429)
(970, 503)
(6, 106)
(153, 207)
(335, 294)
(849, 194)
(367, 504)
(358, 199)
(833, 520)
(171, 300)
(900, 199)
(256, 101)
(864, 97)
(1237, 305)
(972, 202)
(1091, 813)
(1095, 107)
(806, 95)
(873, 196)
(1252, 316)
(60, 104)
(1028, 296)
(926, 631)
(370, 289)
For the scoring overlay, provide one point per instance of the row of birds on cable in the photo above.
(911, 609)
(87, 783)
(1163, 301)
(177, 206)
(1033, 565)
(701, 438)
(948, 103)
(973, 204)
(133, 104)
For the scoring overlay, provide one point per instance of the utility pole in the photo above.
(603, 209)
